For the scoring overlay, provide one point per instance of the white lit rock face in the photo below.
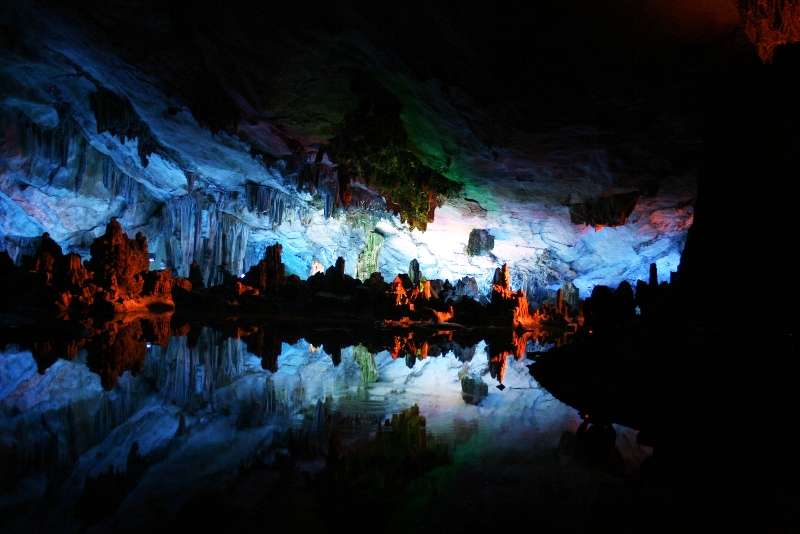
(93, 130)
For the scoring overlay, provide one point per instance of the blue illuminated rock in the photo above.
(216, 170)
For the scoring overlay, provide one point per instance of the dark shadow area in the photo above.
(708, 373)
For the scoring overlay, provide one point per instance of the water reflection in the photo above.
(130, 421)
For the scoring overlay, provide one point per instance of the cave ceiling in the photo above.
(569, 135)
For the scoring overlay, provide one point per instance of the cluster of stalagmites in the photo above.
(117, 278)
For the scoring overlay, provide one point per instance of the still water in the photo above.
(197, 433)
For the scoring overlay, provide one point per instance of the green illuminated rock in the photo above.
(366, 361)
(372, 143)
(367, 262)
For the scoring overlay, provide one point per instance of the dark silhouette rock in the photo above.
(268, 275)
(624, 302)
(413, 272)
(158, 283)
(599, 308)
(196, 276)
(50, 247)
(612, 210)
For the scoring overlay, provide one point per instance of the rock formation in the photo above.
(480, 243)
(268, 275)
(118, 263)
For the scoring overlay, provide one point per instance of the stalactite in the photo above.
(275, 205)
(323, 180)
(120, 185)
(51, 153)
(115, 114)
(319, 178)
(232, 245)
(19, 246)
(367, 262)
(362, 198)
(197, 229)
(183, 242)
(62, 157)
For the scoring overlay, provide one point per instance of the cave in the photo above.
(398, 266)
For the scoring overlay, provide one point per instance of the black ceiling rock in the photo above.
(612, 210)
(115, 114)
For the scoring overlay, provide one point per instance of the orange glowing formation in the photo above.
(771, 23)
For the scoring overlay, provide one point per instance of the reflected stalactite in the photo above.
(156, 329)
(116, 347)
(183, 379)
(115, 408)
(267, 345)
(366, 362)
(46, 353)
(191, 368)
(375, 472)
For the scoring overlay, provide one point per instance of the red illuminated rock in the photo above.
(116, 347)
(118, 262)
(510, 304)
(770, 24)
(158, 283)
(74, 273)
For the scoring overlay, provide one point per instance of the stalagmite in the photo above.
(118, 262)
(268, 276)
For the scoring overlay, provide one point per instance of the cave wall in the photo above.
(212, 161)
